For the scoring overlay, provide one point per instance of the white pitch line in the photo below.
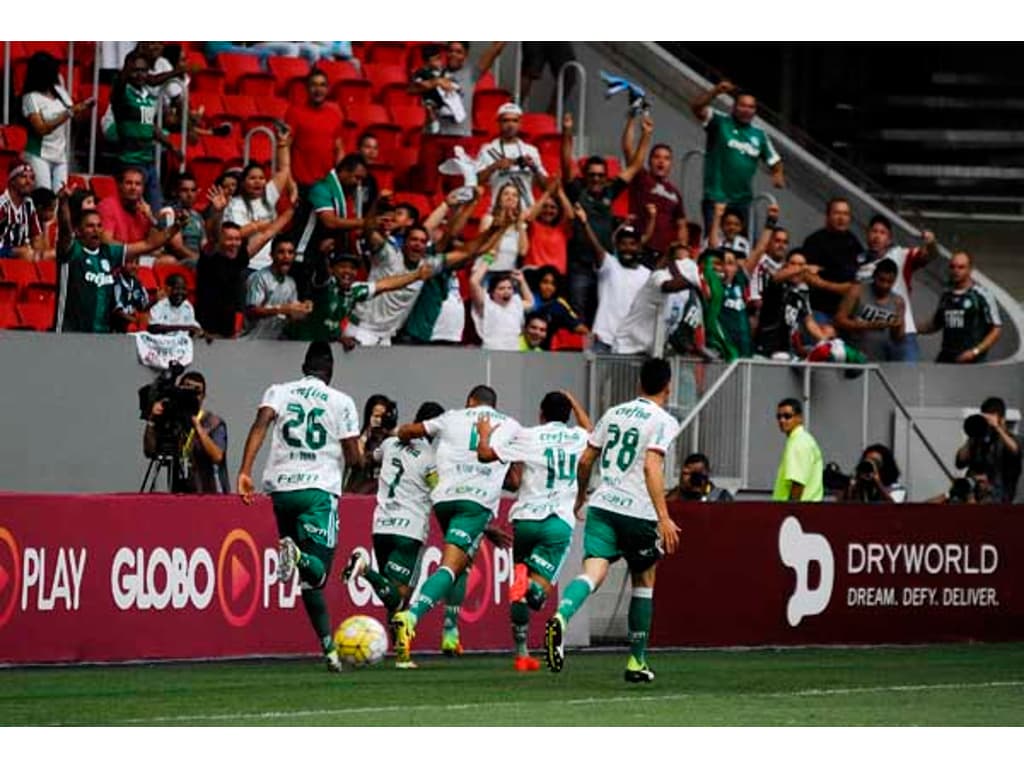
(807, 692)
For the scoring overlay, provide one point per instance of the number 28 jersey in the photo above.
(624, 435)
(549, 453)
(312, 420)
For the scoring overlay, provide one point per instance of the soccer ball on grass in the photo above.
(361, 641)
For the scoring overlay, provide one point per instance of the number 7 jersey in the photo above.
(624, 435)
(305, 451)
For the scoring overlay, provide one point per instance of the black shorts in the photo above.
(537, 54)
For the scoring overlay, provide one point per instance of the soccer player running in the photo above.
(401, 520)
(465, 499)
(626, 515)
(542, 517)
(313, 425)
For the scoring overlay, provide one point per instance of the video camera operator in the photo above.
(179, 431)
(874, 481)
(380, 419)
(695, 482)
(992, 447)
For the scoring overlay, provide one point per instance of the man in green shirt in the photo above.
(734, 147)
(801, 470)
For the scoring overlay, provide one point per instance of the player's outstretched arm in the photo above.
(654, 478)
(583, 469)
(409, 432)
(582, 417)
(253, 443)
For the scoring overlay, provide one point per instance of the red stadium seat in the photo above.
(234, 65)
(387, 52)
(208, 81)
(237, 108)
(287, 69)
(565, 340)
(534, 124)
(384, 173)
(164, 271)
(409, 117)
(350, 92)
(148, 281)
(421, 202)
(485, 107)
(364, 114)
(22, 273)
(226, 149)
(9, 292)
(486, 81)
(211, 104)
(15, 137)
(261, 149)
(9, 316)
(36, 317)
(383, 75)
(76, 181)
(399, 97)
(103, 186)
(257, 85)
(337, 71)
(206, 170)
(47, 271)
(39, 293)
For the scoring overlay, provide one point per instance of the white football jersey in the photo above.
(462, 476)
(305, 451)
(407, 474)
(549, 454)
(624, 435)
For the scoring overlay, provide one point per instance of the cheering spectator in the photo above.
(459, 79)
(734, 316)
(368, 147)
(651, 186)
(316, 127)
(339, 203)
(134, 111)
(509, 159)
(513, 245)
(127, 218)
(45, 202)
(272, 297)
(967, 315)
(637, 331)
(727, 231)
(86, 302)
(499, 314)
(595, 193)
(734, 147)
(226, 185)
(620, 276)
(21, 235)
(768, 280)
(908, 261)
(549, 302)
(49, 110)
(254, 207)
(871, 315)
(130, 298)
(550, 223)
(535, 333)
(174, 313)
(192, 239)
(801, 329)
(835, 249)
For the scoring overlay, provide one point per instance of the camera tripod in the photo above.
(169, 465)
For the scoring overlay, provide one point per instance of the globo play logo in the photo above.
(238, 577)
(10, 574)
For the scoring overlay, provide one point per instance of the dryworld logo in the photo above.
(797, 551)
(238, 578)
(10, 574)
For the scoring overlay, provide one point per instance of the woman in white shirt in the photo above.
(515, 242)
(48, 109)
(500, 314)
(253, 208)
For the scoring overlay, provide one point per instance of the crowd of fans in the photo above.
(519, 257)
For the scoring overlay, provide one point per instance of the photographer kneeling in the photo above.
(992, 448)
(695, 482)
(875, 480)
(195, 440)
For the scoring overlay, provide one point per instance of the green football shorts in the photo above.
(609, 535)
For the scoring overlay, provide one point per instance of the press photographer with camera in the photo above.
(972, 488)
(874, 481)
(190, 442)
(990, 446)
(695, 482)
(380, 419)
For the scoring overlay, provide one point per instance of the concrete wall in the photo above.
(69, 414)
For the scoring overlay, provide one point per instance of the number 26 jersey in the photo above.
(305, 451)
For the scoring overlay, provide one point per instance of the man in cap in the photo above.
(303, 477)
(21, 236)
(509, 159)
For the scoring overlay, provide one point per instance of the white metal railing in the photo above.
(158, 149)
(273, 146)
(94, 119)
(581, 112)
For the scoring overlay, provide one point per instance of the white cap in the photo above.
(510, 108)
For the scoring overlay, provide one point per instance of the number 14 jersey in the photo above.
(312, 420)
(624, 435)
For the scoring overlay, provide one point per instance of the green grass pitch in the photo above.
(941, 685)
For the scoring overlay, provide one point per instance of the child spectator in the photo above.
(428, 78)
(174, 313)
(130, 299)
(550, 303)
(735, 316)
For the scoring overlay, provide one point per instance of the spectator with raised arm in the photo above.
(316, 126)
(458, 79)
(835, 249)
(801, 330)
(21, 234)
(514, 243)
(86, 302)
(908, 261)
(651, 186)
(339, 204)
(508, 159)
(190, 242)
(49, 110)
(499, 312)
(254, 207)
(550, 224)
(734, 148)
(272, 296)
(727, 231)
(967, 315)
(595, 193)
